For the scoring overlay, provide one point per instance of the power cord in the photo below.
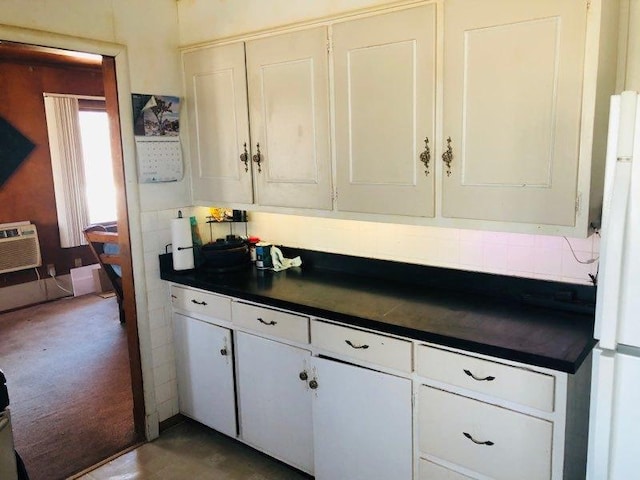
(58, 285)
(583, 262)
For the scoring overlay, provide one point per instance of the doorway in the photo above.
(105, 69)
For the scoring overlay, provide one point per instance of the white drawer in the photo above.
(370, 347)
(432, 471)
(503, 381)
(272, 322)
(494, 441)
(208, 304)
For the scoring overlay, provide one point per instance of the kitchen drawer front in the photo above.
(431, 471)
(271, 322)
(370, 347)
(494, 441)
(208, 304)
(514, 384)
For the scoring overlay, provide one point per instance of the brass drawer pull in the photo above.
(479, 379)
(425, 157)
(447, 156)
(488, 443)
(199, 303)
(363, 347)
(272, 322)
(257, 158)
(244, 157)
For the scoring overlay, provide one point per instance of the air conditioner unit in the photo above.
(19, 247)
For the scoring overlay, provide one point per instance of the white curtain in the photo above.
(63, 125)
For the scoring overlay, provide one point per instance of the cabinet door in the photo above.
(361, 423)
(512, 102)
(216, 91)
(205, 373)
(289, 109)
(275, 403)
(384, 93)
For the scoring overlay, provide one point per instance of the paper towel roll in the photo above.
(182, 245)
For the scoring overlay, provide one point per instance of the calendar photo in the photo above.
(155, 115)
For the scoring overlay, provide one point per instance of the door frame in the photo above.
(118, 99)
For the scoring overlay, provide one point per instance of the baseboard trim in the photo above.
(27, 294)
(171, 422)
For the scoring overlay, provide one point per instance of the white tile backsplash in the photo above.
(532, 256)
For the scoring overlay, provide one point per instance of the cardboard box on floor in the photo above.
(101, 282)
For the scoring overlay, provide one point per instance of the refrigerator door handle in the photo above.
(618, 170)
(611, 258)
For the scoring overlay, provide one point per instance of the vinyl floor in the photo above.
(194, 452)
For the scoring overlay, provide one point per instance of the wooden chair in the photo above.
(99, 237)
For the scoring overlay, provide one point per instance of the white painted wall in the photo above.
(206, 20)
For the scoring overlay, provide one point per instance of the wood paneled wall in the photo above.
(28, 194)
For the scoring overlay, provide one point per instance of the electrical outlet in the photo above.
(51, 269)
(77, 262)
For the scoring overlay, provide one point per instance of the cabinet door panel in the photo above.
(216, 92)
(289, 111)
(384, 90)
(275, 404)
(205, 375)
(512, 107)
(361, 423)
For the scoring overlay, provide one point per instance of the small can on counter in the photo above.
(253, 241)
(263, 255)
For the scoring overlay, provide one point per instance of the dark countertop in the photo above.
(547, 324)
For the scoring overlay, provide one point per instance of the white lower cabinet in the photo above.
(493, 441)
(433, 471)
(345, 403)
(361, 423)
(204, 369)
(275, 399)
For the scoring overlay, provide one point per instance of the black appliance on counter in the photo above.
(11, 465)
(225, 254)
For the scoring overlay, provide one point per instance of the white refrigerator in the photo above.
(614, 425)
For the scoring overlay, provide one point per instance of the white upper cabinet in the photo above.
(216, 91)
(513, 97)
(488, 114)
(384, 112)
(288, 81)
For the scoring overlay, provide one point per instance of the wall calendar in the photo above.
(159, 159)
(157, 132)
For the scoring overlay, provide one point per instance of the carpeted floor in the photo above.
(69, 384)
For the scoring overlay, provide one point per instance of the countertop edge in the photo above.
(565, 366)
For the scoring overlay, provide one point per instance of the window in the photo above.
(98, 168)
(81, 162)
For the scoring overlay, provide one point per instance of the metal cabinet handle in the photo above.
(425, 156)
(244, 157)
(488, 443)
(257, 158)
(363, 347)
(198, 303)
(479, 379)
(303, 375)
(447, 156)
(223, 351)
(313, 384)
(271, 322)
(174, 297)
